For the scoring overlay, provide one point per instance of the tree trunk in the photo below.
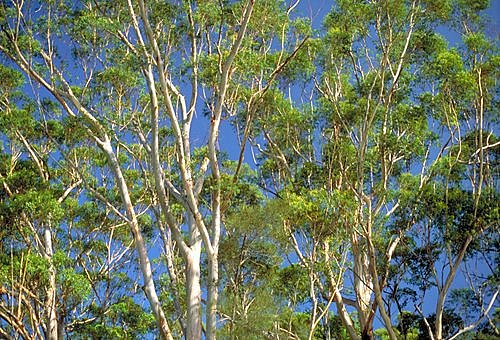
(144, 264)
(363, 287)
(445, 288)
(344, 316)
(193, 292)
(367, 333)
(213, 280)
(377, 286)
(337, 297)
(50, 300)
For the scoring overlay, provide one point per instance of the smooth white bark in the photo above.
(51, 332)
(144, 263)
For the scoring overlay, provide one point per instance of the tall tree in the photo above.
(394, 104)
(374, 184)
(107, 67)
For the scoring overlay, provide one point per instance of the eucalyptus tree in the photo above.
(368, 128)
(396, 112)
(134, 79)
(382, 175)
(456, 206)
(29, 212)
(400, 104)
(63, 255)
(374, 129)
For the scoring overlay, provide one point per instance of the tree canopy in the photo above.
(239, 170)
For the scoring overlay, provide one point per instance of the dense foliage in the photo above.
(223, 168)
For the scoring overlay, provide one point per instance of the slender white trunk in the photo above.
(443, 291)
(144, 263)
(363, 285)
(378, 291)
(193, 288)
(337, 297)
(213, 270)
(344, 316)
(50, 300)
(312, 295)
(213, 280)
